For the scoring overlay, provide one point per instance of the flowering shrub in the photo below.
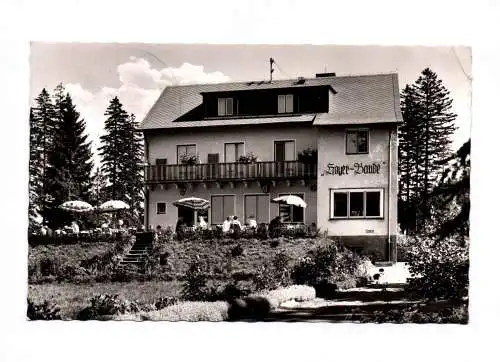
(195, 284)
(439, 269)
(275, 275)
(189, 159)
(105, 305)
(44, 311)
(328, 263)
(248, 158)
(309, 156)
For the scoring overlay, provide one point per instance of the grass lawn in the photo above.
(72, 298)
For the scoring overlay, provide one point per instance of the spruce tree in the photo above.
(424, 140)
(71, 160)
(437, 127)
(133, 166)
(114, 150)
(42, 126)
(121, 153)
(34, 172)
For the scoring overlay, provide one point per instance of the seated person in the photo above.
(236, 222)
(203, 223)
(313, 230)
(274, 226)
(179, 226)
(252, 223)
(226, 225)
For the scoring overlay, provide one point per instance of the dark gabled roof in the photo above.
(358, 99)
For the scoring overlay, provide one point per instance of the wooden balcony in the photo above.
(258, 171)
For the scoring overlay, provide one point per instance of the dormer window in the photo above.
(225, 107)
(285, 103)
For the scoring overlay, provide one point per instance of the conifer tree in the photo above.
(424, 141)
(133, 164)
(450, 199)
(114, 150)
(121, 153)
(71, 158)
(42, 126)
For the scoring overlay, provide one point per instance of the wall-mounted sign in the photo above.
(357, 168)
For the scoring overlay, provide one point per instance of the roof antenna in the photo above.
(271, 69)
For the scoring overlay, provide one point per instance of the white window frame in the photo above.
(348, 191)
(161, 213)
(226, 110)
(285, 140)
(350, 130)
(233, 143)
(285, 103)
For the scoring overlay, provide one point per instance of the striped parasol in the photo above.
(193, 203)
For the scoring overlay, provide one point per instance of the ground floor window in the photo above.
(161, 208)
(221, 207)
(356, 203)
(292, 213)
(257, 206)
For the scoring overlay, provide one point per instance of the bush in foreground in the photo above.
(440, 269)
(329, 263)
(44, 311)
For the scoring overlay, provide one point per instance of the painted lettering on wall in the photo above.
(357, 168)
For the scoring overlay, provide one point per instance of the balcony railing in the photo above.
(271, 170)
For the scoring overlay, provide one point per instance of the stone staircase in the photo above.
(137, 254)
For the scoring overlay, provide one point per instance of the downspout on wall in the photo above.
(389, 248)
(146, 191)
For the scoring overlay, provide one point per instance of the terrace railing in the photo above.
(270, 170)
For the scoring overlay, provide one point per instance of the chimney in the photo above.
(323, 75)
(300, 80)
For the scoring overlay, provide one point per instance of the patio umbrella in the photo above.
(193, 203)
(290, 200)
(113, 205)
(76, 206)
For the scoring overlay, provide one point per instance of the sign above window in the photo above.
(357, 168)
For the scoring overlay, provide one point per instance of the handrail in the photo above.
(230, 171)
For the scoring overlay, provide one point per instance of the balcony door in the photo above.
(283, 151)
(232, 153)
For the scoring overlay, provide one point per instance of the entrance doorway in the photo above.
(191, 217)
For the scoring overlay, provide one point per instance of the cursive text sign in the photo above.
(357, 168)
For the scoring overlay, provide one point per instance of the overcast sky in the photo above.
(136, 73)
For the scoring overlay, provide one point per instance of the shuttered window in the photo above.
(258, 207)
(221, 207)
